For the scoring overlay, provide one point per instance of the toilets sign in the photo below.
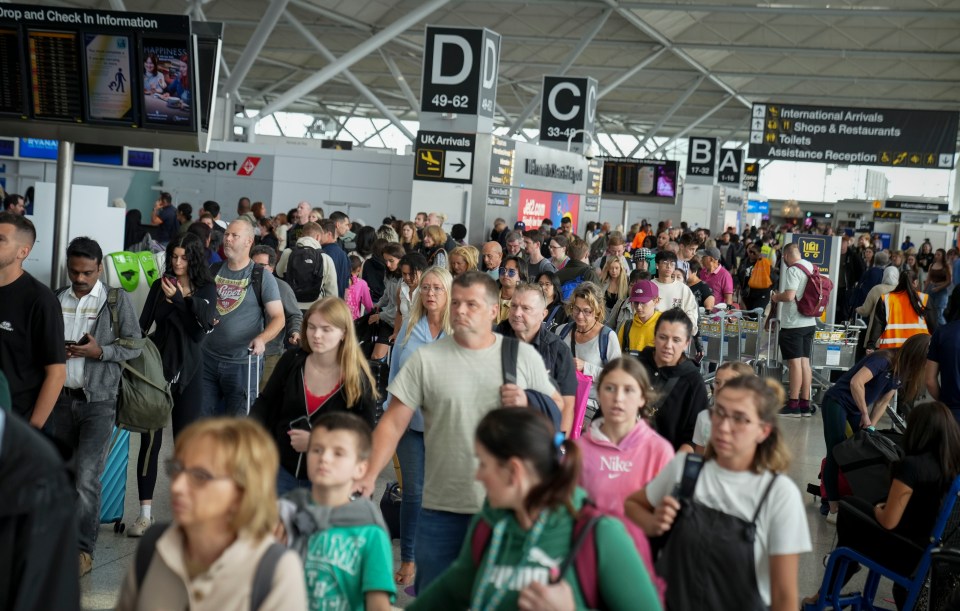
(460, 68)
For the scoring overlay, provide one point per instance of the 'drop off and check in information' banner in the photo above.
(826, 134)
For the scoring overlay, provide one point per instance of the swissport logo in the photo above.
(248, 166)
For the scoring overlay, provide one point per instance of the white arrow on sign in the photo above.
(458, 165)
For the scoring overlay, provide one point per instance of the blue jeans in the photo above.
(86, 428)
(225, 387)
(287, 482)
(938, 301)
(440, 535)
(410, 451)
(835, 419)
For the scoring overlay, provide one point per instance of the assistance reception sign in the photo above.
(828, 134)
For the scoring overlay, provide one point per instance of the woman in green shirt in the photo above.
(517, 547)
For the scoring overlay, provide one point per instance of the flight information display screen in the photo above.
(55, 76)
(11, 76)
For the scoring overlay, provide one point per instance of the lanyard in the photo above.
(489, 562)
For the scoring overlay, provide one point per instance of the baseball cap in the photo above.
(644, 291)
(713, 253)
(520, 225)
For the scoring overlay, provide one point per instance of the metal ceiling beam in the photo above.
(254, 45)
(352, 23)
(629, 74)
(652, 32)
(667, 115)
(692, 126)
(836, 11)
(571, 58)
(351, 57)
(835, 53)
(117, 5)
(360, 87)
(401, 81)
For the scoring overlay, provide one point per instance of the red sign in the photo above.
(538, 205)
(248, 166)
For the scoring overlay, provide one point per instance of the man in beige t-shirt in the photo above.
(455, 382)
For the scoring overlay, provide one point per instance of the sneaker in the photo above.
(790, 412)
(86, 563)
(832, 517)
(806, 412)
(139, 527)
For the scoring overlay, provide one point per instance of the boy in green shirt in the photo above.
(347, 558)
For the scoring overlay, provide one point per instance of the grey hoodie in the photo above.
(302, 518)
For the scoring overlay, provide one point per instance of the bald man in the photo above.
(492, 257)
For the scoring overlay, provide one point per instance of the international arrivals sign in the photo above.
(826, 134)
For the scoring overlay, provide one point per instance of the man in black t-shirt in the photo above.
(165, 218)
(32, 353)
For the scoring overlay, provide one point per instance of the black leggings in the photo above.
(187, 402)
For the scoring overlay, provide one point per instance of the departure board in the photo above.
(55, 75)
(11, 85)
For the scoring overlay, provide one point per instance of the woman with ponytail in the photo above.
(739, 526)
(530, 476)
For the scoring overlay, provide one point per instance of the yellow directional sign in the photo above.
(430, 162)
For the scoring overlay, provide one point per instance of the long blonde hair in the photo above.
(353, 367)
(623, 288)
(417, 311)
(249, 456)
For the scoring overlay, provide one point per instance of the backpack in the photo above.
(144, 400)
(305, 273)
(816, 294)
(509, 351)
(567, 288)
(760, 277)
(604, 340)
(262, 577)
(256, 279)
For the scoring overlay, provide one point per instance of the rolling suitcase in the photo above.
(113, 480)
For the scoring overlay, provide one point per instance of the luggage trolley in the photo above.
(751, 330)
(834, 348)
(720, 334)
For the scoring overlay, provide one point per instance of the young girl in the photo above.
(358, 293)
(725, 373)
(532, 504)
(736, 540)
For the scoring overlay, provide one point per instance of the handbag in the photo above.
(584, 384)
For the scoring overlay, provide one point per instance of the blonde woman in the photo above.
(463, 259)
(434, 239)
(224, 510)
(429, 320)
(613, 277)
(328, 373)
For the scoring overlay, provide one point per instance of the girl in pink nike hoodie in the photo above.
(621, 452)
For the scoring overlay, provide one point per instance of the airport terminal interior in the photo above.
(824, 132)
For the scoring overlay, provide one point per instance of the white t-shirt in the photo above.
(701, 431)
(781, 526)
(678, 295)
(454, 388)
(795, 280)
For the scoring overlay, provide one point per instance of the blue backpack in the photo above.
(604, 340)
(569, 286)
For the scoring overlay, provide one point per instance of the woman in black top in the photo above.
(328, 373)
(183, 304)
(894, 533)
(556, 310)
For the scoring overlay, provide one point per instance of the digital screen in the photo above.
(38, 148)
(55, 76)
(11, 76)
(6, 148)
(101, 154)
(168, 98)
(644, 179)
(207, 58)
(140, 159)
(109, 83)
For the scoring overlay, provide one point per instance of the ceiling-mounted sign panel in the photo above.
(730, 168)
(702, 157)
(826, 134)
(568, 108)
(444, 157)
(751, 176)
(460, 68)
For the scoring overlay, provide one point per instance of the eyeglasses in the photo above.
(556, 247)
(588, 312)
(197, 477)
(428, 288)
(719, 414)
(509, 272)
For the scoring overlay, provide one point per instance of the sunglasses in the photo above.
(509, 272)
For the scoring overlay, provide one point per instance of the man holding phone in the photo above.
(84, 414)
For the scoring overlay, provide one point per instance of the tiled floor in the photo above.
(115, 552)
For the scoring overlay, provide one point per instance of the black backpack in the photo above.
(305, 273)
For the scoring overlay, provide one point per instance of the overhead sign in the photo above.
(460, 67)
(591, 203)
(826, 134)
(896, 204)
(568, 104)
(702, 157)
(756, 206)
(751, 177)
(444, 157)
(502, 155)
(217, 165)
(730, 168)
(886, 215)
(548, 169)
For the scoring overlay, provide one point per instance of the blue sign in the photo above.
(38, 148)
(756, 206)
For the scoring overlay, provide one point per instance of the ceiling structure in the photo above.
(665, 69)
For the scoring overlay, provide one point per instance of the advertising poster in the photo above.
(167, 88)
(109, 86)
(538, 205)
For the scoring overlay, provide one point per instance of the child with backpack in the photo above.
(358, 292)
(537, 537)
(344, 544)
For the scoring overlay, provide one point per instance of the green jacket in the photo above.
(624, 582)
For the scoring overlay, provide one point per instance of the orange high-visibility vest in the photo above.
(902, 321)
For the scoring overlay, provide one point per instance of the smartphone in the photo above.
(300, 424)
(70, 342)
(84, 340)
(172, 278)
(688, 480)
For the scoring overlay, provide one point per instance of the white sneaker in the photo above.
(832, 518)
(139, 527)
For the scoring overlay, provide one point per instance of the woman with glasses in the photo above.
(556, 309)
(224, 508)
(558, 251)
(737, 525)
(429, 320)
(512, 273)
(328, 373)
(593, 344)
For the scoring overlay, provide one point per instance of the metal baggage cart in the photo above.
(720, 333)
(834, 349)
(751, 332)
